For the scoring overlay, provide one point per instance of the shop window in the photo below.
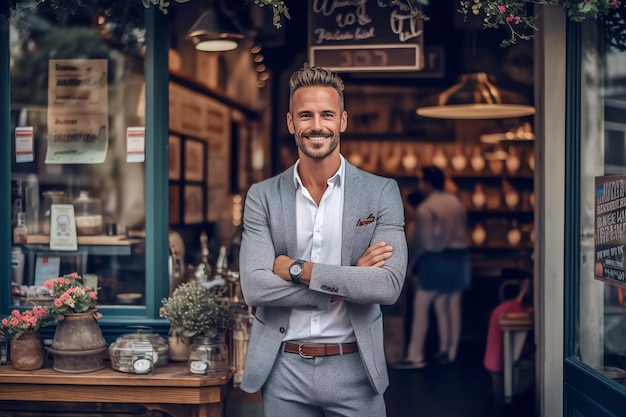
(77, 161)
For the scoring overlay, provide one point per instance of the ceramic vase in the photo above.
(512, 161)
(458, 161)
(514, 236)
(479, 234)
(477, 161)
(27, 352)
(439, 159)
(179, 346)
(479, 198)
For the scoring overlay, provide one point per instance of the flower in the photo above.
(193, 309)
(71, 295)
(26, 321)
(516, 16)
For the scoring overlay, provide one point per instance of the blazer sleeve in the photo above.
(371, 285)
(259, 285)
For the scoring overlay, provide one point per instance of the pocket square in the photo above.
(364, 222)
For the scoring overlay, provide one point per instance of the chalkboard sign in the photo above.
(365, 35)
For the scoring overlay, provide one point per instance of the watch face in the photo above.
(141, 366)
(295, 269)
(198, 367)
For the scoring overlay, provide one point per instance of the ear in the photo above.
(290, 125)
(343, 125)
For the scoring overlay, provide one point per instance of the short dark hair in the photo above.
(434, 176)
(315, 77)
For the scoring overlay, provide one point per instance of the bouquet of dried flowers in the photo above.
(26, 321)
(193, 309)
(71, 295)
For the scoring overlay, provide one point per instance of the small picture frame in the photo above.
(174, 157)
(194, 160)
(194, 203)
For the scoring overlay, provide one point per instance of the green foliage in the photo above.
(516, 15)
(193, 309)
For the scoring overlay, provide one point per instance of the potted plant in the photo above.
(71, 296)
(26, 351)
(193, 310)
(78, 344)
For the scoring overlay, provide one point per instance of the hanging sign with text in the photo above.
(365, 35)
(610, 227)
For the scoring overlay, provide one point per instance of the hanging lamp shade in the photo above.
(475, 97)
(214, 31)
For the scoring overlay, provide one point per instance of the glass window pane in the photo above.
(77, 82)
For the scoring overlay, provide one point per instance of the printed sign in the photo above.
(78, 108)
(610, 237)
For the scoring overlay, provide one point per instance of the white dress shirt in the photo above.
(319, 234)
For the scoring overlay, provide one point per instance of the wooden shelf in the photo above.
(99, 240)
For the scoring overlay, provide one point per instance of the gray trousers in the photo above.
(329, 386)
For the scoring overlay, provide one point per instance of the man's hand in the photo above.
(281, 267)
(375, 255)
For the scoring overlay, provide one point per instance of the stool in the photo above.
(515, 327)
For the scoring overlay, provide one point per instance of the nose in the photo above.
(317, 122)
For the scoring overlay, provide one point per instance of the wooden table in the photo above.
(170, 389)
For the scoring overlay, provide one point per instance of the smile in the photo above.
(317, 138)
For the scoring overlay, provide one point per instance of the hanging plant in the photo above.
(517, 15)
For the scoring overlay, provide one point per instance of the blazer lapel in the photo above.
(288, 212)
(351, 202)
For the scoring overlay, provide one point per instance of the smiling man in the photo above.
(323, 247)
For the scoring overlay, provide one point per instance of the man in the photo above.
(323, 246)
(441, 261)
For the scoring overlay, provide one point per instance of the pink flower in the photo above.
(502, 9)
(48, 284)
(93, 295)
(58, 302)
(74, 275)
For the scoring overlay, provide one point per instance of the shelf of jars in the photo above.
(459, 160)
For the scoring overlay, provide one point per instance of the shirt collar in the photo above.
(337, 178)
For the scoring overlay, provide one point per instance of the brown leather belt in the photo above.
(311, 351)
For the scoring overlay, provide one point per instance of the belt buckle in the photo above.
(302, 355)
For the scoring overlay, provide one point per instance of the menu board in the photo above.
(365, 35)
(610, 237)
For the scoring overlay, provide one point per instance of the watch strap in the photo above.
(295, 278)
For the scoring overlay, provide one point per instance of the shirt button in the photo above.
(282, 330)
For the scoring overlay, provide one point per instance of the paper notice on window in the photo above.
(63, 227)
(136, 144)
(24, 144)
(78, 105)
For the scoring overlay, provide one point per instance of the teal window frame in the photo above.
(116, 319)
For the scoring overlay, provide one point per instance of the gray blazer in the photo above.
(269, 230)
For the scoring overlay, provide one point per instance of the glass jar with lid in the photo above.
(123, 352)
(208, 355)
(88, 214)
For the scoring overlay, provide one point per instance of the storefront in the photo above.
(217, 134)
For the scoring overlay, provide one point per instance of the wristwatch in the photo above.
(296, 270)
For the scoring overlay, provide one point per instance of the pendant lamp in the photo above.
(214, 31)
(476, 97)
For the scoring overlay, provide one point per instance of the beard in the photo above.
(314, 149)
